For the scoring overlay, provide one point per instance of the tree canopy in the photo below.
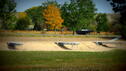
(102, 23)
(23, 21)
(52, 17)
(35, 13)
(119, 6)
(78, 14)
(7, 10)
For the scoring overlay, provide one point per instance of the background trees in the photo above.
(119, 6)
(102, 23)
(113, 22)
(23, 22)
(35, 13)
(7, 12)
(78, 14)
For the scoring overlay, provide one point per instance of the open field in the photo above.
(40, 53)
(62, 61)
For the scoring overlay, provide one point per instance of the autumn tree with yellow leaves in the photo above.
(52, 17)
(22, 15)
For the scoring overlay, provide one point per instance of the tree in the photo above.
(78, 14)
(11, 23)
(7, 10)
(114, 24)
(52, 17)
(119, 6)
(48, 2)
(35, 14)
(23, 21)
(102, 25)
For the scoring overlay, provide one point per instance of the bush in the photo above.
(23, 23)
(102, 23)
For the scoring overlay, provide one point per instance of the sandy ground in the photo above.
(48, 44)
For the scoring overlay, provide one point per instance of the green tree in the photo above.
(11, 23)
(35, 13)
(23, 21)
(48, 2)
(114, 24)
(7, 11)
(119, 6)
(102, 24)
(78, 14)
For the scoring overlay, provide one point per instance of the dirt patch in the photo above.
(48, 44)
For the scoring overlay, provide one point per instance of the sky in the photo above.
(102, 5)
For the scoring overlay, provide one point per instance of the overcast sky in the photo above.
(102, 5)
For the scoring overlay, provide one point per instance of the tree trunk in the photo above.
(73, 32)
(55, 30)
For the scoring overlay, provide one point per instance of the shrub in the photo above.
(23, 23)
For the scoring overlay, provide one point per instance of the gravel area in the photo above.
(48, 44)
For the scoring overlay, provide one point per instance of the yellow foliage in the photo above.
(22, 15)
(53, 17)
(34, 7)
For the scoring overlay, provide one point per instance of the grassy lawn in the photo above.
(62, 61)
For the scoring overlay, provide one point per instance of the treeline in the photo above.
(73, 16)
(119, 6)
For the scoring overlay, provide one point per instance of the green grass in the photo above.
(62, 61)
